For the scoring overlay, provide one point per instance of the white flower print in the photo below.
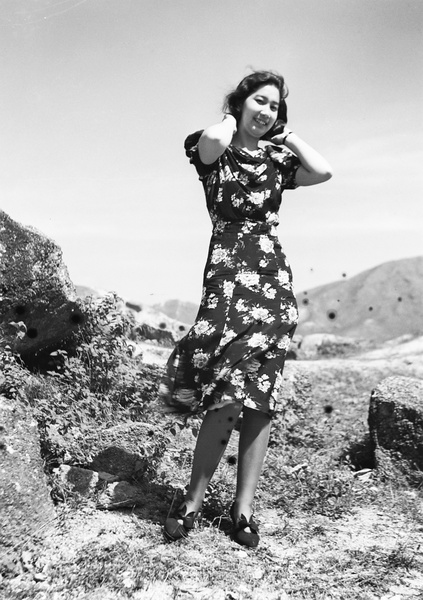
(292, 314)
(199, 359)
(249, 168)
(226, 174)
(261, 169)
(243, 179)
(212, 301)
(227, 337)
(248, 226)
(219, 254)
(284, 342)
(262, 314)
(236, 200)
(266, 244)
(247, 318)
(269, 291)
(272, 218)
(210, 273)
(263, 383)
(283, 278)
(240, 305)
(258, 340)
(289, 314)
(203, 327)
(237, 378)
(263, 263)
(218, 225)
(249, 280)
(228, 288)
(277, 385)
(257, 198)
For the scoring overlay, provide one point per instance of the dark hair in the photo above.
(234, 101)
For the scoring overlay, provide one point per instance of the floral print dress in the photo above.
(236, 349)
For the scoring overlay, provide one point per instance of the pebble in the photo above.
(258, 573)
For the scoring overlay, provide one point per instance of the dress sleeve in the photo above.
(191, 150)
(286, 163)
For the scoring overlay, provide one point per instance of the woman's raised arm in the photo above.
(314, 168)
(215, 139)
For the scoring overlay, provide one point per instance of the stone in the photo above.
(324, 345)
(396, 423)
(82, 481)
(26, 508)
(148, 332)
(120, 494)
(38, 302)
(126, 451)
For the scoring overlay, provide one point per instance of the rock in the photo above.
(127, 451)
(82, 481)
(325, 345)
(120, 495)
(396, 424)
(106, 493)
(25, 504)
(147, 332)
(36, 293)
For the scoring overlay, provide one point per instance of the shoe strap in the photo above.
(242, 524)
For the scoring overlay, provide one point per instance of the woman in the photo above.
(231, 360)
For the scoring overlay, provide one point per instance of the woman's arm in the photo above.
(215, 139)
(314, 168)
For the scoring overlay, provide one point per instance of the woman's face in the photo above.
(260, 111)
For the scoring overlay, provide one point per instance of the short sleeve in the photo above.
(191, 150)
(286, 163)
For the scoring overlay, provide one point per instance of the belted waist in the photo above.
(244, 226)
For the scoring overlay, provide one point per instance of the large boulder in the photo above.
(128, 451)
(27, 511)
(396, 424)
(38, 302)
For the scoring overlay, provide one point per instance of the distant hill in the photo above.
(180, 310)
(378, 304)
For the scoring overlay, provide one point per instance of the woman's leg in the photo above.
(253, 441)
(212, 440)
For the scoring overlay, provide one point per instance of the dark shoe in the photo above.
(174, 530)
(239, 535)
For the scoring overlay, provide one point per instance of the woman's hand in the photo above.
(231, 119)
(275, 134)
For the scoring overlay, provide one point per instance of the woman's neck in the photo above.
(245, 141)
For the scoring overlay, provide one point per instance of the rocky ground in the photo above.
(328, 530)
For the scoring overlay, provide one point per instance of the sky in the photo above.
(97, 97)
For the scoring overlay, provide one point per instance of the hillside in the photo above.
(378, 304)
(178, 309)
